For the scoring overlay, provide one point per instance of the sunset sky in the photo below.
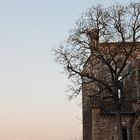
(33, 101)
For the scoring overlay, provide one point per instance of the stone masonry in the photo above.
(99, 122)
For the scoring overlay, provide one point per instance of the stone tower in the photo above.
(99, 122)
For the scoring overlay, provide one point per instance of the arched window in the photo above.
(120, 86)
(125, 136)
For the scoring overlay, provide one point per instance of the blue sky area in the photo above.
(33, 101)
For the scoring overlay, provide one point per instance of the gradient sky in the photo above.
(33, 101)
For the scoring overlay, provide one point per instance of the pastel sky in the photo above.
(33, 101)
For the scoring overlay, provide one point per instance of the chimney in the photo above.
(94, 35)
(94, 38)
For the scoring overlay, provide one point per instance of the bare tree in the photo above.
(91, 46)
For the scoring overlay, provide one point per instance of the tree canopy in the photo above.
(100, 25)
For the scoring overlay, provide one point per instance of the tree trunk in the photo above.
(119, 125)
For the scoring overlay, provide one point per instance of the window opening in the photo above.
(119, 90)
(125, 134)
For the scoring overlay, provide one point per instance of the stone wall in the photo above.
(97, 127)
(104, 127)
(136, 134)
